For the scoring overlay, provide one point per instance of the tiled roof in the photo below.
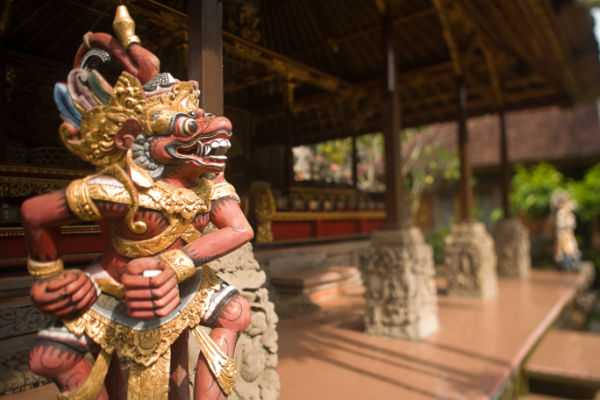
(544, 134)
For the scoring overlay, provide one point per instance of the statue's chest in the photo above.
(168, 213)
(175, 202)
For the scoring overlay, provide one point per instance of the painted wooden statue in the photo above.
(566, 252)
(161, 182)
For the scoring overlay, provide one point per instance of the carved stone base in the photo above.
(470, 261)
(256, 351)
(512, 248)
(397, 271)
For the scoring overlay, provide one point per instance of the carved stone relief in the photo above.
(398, 274)
(511, 239)
(470, 261)
(256, 353)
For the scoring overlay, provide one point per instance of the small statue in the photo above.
(161, 183)
(566, 252)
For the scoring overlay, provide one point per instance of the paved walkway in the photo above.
(478, 346)
(326, 356)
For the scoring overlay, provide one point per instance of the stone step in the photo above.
(566, 363)
(317, 283)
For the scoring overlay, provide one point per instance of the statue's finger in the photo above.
(138, 266)
(61, 280)
(135, 281)
(163, 312)
(146, 314)
(150, 293)
(83, 304)
(153, 304)
(83, 291)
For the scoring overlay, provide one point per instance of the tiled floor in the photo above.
(326, 356)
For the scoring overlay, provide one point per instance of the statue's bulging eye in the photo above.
(188, 126)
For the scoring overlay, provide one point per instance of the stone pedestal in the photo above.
(256, 352)
(511, 239)
(470, 261)
(398, 274)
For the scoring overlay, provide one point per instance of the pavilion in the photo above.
(291, 72)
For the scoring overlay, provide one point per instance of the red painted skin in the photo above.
(71, 292)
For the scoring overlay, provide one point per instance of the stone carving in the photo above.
(511, 239)
(15, 375)
(256, 351)
(566, 251)
(263, 206)
(21, 320)
(470, 261)
(398, 274)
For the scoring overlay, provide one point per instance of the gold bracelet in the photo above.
(44, 269)
(181, 263)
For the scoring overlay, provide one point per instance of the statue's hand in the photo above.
(151, 296)
(65, 295)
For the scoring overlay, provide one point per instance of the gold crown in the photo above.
(124, 27)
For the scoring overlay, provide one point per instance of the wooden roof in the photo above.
(514, 54)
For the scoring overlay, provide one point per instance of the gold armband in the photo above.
(80, 201)
(44, 269)
(181, 263)
(224, 189)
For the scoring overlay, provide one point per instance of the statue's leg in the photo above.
(227, 323)
(62, 364)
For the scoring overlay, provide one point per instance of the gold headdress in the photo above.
(100, 124)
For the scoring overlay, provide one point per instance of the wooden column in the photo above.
(288, 164)
(504, 165)
(466, 194)
(5, 10)
(394, 195)
(205, 19)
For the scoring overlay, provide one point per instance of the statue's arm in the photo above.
(233, 231)
(56, 292)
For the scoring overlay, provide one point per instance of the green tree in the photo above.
(587, 193)
(533, 187)
(425, 163)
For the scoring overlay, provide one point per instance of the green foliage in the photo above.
(436, 240)
(425, 163)
(533, 189)
(587, 193)
(336, 151)
(497, 215)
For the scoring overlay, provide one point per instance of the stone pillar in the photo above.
(511, 237)
(470, 256)
(512, 248)
(256, 351)
(397, 268)
(397, 271)
(470, 261)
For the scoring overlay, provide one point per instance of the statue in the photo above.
(566, 252)
(161, 182)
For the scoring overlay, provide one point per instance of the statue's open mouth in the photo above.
(205, 150)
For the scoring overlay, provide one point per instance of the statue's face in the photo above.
(196, 140)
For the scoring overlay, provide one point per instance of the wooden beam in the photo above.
(449, 37)
(206, 52)
(283, 65)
